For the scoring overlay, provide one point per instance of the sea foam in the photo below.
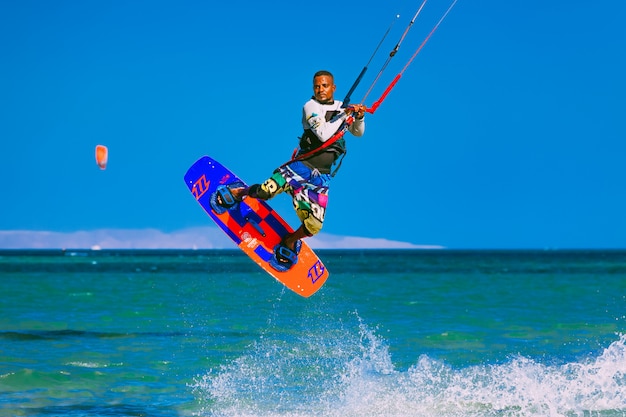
(349, 373)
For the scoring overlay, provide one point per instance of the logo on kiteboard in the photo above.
(316, 271)
(200, 187)
(249, 241)
(225, 179)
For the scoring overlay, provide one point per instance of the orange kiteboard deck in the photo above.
(255, 227)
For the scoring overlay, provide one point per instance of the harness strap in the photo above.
(338, 135)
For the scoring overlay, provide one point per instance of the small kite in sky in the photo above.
(102, 155)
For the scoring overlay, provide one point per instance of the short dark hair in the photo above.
(323, 72)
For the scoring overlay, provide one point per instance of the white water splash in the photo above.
(345, 374)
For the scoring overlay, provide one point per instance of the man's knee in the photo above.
(312, 227)
(264, 191)
(310, 224)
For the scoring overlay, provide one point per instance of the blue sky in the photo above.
(507, 131)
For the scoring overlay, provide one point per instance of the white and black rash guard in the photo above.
(320, 123)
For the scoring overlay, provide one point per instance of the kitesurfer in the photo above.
(307, 176)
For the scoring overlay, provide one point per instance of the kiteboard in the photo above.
(255, 228)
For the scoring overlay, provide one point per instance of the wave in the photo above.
(348, 371)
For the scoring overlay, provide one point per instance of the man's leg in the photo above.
(290, 239)
(269, 189)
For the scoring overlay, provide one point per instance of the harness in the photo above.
(309, 142)
(311, 146)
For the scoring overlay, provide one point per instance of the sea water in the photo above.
(392, 333)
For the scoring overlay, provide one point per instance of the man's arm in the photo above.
(357, 128)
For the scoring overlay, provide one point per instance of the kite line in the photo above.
(346, 100)
(394, 51)
(348, 122)
(378, 102)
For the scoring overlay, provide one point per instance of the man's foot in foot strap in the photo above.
(227, 196)
(284, 257)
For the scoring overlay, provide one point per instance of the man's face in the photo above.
(323, 88)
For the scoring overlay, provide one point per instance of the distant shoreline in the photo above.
(191, 238)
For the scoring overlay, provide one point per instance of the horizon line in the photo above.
(204, 237)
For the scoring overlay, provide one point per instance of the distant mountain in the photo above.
(192, 238)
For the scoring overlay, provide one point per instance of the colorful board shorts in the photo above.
(308, 189)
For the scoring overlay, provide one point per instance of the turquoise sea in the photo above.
(392, 333)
